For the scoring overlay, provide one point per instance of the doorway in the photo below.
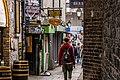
(32, 54)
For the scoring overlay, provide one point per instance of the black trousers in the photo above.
(67, 68)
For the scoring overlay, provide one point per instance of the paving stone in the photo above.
(57, 74)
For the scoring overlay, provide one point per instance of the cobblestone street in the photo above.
(57, 74)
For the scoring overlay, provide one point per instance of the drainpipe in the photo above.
(59, 7)
(23, 29)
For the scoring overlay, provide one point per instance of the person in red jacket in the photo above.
(68, 66)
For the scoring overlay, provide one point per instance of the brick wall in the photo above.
(111, 31)
(8, 33)
(92, 39)
(6, 46)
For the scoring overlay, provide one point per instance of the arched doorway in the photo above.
(4, 38)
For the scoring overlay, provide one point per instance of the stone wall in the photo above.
(93, 41)
(111, 32)
(8, 33)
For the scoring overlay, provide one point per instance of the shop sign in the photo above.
(54, 21)
(54, 12)
(3, 14)
(76, 3)
(35, 30)
(60, 28)
(32, 10)
(48, 29)
(67, 29)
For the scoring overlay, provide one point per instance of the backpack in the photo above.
(66, 56)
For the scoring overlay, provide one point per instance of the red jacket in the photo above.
(61, 51)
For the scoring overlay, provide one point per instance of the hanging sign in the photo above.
(76, 3)
(54, 12)
(3, 14)
(32, 10)
(54, 21)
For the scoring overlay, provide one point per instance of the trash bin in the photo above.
(20, 70)
(5, 73)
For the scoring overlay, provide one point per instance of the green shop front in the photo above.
(58, 39)
(47, 49)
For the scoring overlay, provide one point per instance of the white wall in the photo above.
(74, 19)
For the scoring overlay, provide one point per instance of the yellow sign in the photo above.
(20, 45)
(54, 12)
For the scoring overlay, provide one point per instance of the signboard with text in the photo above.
(32, 10)
(54, 12)
(35, 30)
(76, 3)
(67, 29)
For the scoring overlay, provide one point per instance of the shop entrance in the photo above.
(32, 54)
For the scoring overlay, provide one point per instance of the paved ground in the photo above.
(57, 74)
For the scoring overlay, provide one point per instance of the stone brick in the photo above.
(6, 47)
(93, 41)
(111, 33)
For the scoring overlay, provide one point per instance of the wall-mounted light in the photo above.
(69, 23)
(92, 13)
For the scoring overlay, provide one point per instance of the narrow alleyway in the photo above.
(57, 74)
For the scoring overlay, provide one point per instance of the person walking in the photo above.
(67, 65)
(82, 55)
(75, 52)
(78, 52)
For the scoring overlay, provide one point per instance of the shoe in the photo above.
(69, 78)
